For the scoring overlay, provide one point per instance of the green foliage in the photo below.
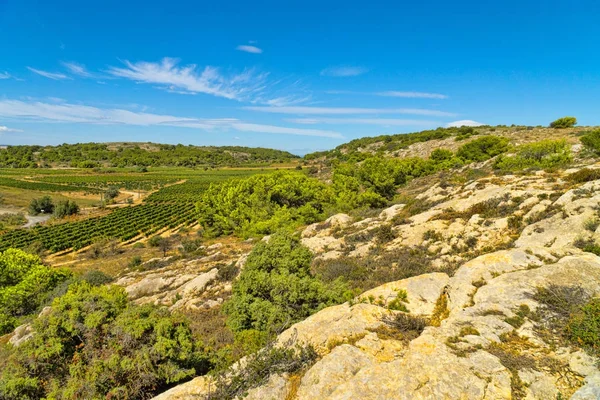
(43, 205)
(584, 326)
(262, 204)
(95, 343)
(543, 154)
(96, 278)
(24, 285)
(111, 193)
(564, 122)
(584, 175)
(482, 148)
(591, 141)
(374, 182)
(91, 155)
(65, 208)
(276, 287)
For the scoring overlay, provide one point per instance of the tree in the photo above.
(95, 343)
(564, 122)
(483, 148)
(65, 208)
(276, 287)
(43, 205)
(111, 193)
(164, 245)
(24, 285)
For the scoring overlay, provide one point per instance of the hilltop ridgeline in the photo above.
(91, 155)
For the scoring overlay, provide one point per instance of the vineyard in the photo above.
(168, 208)
(43, 186)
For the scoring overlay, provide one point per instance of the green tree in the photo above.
(276, 287)
(95, 343)
(483, 148)
(43, 205)
(65, 208)
(564, 122)
(24, 286)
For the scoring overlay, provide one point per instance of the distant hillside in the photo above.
(421, 144)
(90, 155)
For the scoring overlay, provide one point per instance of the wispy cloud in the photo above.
(343, 71)
(365, 121)
(249, 49)
(7, 129)
(413, 95)
(463, 122)
(50, 75)
(4, 75)
(77, 69)
(188, 79)
(300, 110)
(392, 93)
(75, 113)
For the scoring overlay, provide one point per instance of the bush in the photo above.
(543, 154)
(591, 141)
(584, 175)
(95, 343)
(96, 278)
(483, 148)
(584, 326)
(564, 122)
(43, 205)
(65, 208)
(263, 204)
(111, 193)
(276, 287)
(24, 285)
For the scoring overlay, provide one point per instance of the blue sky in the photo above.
(294, 75)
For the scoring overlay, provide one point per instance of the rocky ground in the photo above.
(485, 334)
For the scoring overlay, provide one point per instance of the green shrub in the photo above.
(24, 286)
(584, 326)
(584, 175)
(276, 287)
(564, 122)
(97, 278)
(65, 208)
(95, 343)
(263, 204)
(591, 141)
(482, 148)
(43, 205)
(543, 154)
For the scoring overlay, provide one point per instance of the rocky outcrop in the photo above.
(486, 337)
(183, 285)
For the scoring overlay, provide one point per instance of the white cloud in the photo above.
(50, 75)
(78, 69)
(413, 95)
(463, 122)
(7, 129)
(343, 71)
(365, 121)
(249, 49)
(187, 79)
(4, 75)
(348, 110)
(75, 113)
